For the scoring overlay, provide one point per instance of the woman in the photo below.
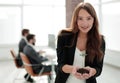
(80, 46)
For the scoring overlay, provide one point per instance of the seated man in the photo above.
(22, 44)
(35, 57)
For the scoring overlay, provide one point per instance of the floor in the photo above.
(10, 74)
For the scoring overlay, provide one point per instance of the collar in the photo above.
(31, 45)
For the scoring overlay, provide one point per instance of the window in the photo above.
(9, 24)
(10, 1)
(42, 17)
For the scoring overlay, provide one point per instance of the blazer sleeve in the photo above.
(61, 52)
(36, 56)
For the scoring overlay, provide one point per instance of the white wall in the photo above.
(112, 58)
(5, 51)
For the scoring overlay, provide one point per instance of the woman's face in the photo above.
(84, 21)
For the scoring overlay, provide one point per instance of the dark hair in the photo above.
(25, 31)
(93, 37)
(30, 36)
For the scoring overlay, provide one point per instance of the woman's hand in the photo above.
(76, 74)
(84, 76)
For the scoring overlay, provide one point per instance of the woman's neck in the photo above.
(82, 35)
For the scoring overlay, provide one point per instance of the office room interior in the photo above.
(45, 18)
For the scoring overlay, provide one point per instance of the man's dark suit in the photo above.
(22, 44)
(35, 58)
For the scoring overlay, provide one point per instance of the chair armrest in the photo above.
(31, 64)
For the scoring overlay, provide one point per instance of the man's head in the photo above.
(25, 32)
(31, 39)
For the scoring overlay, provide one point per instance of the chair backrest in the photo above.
(27, 64)
(14, 57)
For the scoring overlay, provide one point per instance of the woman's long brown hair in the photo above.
(93, 37)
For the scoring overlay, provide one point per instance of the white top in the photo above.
(79, 60)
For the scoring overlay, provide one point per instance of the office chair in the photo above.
(16, 64)
(29, 69)
(14, 57)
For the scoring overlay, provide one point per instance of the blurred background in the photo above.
(45, 18)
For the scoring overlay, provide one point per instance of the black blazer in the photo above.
(66, 56)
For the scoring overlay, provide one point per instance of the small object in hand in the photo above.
(82, 70)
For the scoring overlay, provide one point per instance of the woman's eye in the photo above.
(89, 18)
(79, 18)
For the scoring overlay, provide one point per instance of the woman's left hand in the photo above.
(92, 72)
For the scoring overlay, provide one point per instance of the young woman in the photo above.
(80, 46)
